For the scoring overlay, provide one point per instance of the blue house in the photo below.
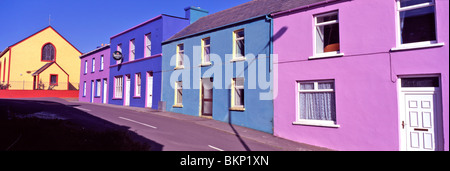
(136, 78)
(220, 66)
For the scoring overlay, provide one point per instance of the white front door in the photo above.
(105, 91)
(149, 90)
(419, 121)
(419, 114)
(127, 91)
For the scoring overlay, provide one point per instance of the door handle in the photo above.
(403, 124)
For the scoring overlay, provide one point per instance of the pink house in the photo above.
(94, 75)
(364, 75)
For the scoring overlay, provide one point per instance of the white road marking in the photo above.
(87, 110)
(147, 125)
(215, 148)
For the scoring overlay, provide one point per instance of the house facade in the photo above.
(363, 75)
(220, 66)
(42, 61)
(136, 79)
(94, 75)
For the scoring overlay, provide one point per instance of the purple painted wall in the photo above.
(366, 92)
(98, 74)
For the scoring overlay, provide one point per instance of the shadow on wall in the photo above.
(76, 120)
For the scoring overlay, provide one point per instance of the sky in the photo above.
(89, 23)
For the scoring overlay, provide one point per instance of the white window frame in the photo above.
(118, 87)
(84, 89)
(415, 45)
(99, 88)
(233, 94)
(148, 45)
(315, 32)
(137, 85)
(204, 46)
(132, 54)
(119, 48)
(322, 123)
(85, 66)
(238, 57)
(93, 65)
(180, 57)
(178, 86)
(102, 62)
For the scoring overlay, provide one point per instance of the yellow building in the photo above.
(42, 61)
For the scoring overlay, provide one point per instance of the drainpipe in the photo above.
(268, 17)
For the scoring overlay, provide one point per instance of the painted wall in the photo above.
(161, 27)
(26, 56)
(62, 78)
(366, 92)
(258, 113)
(94, 76)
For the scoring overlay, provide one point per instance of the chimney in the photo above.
(194, 13)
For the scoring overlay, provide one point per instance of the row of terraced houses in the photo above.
(341, 74)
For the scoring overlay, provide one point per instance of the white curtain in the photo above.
(317, 106)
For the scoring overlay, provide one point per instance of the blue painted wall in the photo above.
(258, 113)
(161, 28)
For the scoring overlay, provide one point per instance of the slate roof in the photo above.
(254, 8)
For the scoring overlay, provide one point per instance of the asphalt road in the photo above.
(164, 131)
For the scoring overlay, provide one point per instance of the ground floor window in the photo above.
(237, 93)
(178, 94)
(316, 102)
(118, 86)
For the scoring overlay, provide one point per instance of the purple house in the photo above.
(94, 75)
(364, 75)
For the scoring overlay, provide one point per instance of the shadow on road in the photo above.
(22, 108)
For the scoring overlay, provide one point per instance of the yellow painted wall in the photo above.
(26, 56)
(44, 78)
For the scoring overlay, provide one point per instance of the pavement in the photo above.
(164, 131)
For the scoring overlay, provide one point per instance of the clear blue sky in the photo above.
(89, 23)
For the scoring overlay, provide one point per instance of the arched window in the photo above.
(48, 52)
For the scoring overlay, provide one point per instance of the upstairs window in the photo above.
(206, 50)
(48, 52)
(239, 44)
(132, 50)
(327, 33)
(416, 21)
(148, 45)
(180, 56)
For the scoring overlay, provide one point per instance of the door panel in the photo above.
(207, 97)
(149, 90)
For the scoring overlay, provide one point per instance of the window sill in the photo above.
(237, 108)
(330, 124)
(417, 46)
(179, 67)
(327, 55)
(237, 59)
(136, 97)
(205, 64)
(117, 98)
(177, 106)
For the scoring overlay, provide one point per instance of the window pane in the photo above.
(239, 97)
(240, 34)
(239, 82)
(53, 79)
(317, 106)
(240, 47)
(327, 38)
(207, 51)
(418, 25)
(306, 86)
(420, 82)
(329, 85)
(327, 18)
(206, 41)
(405, 3)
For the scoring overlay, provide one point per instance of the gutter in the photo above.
(303, 7)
